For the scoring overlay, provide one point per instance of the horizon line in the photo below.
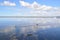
(29, 16)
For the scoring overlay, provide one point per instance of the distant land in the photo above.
(29, 16)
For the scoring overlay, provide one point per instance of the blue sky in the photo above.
(19, 7)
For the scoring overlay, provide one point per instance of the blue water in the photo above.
(47, 34)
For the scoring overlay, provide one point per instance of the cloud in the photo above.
(7, 3)
(41, 10)
(36, 6)
(25, 4)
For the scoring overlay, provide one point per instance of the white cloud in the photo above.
(25, 4)
(41, 10)
(7, 3)
(36, 6)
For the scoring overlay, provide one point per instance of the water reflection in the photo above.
(30, 29)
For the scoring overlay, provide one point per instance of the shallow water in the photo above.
(27, 29)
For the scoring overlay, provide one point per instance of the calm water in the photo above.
(27, 29)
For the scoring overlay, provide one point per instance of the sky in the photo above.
(29, 7)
